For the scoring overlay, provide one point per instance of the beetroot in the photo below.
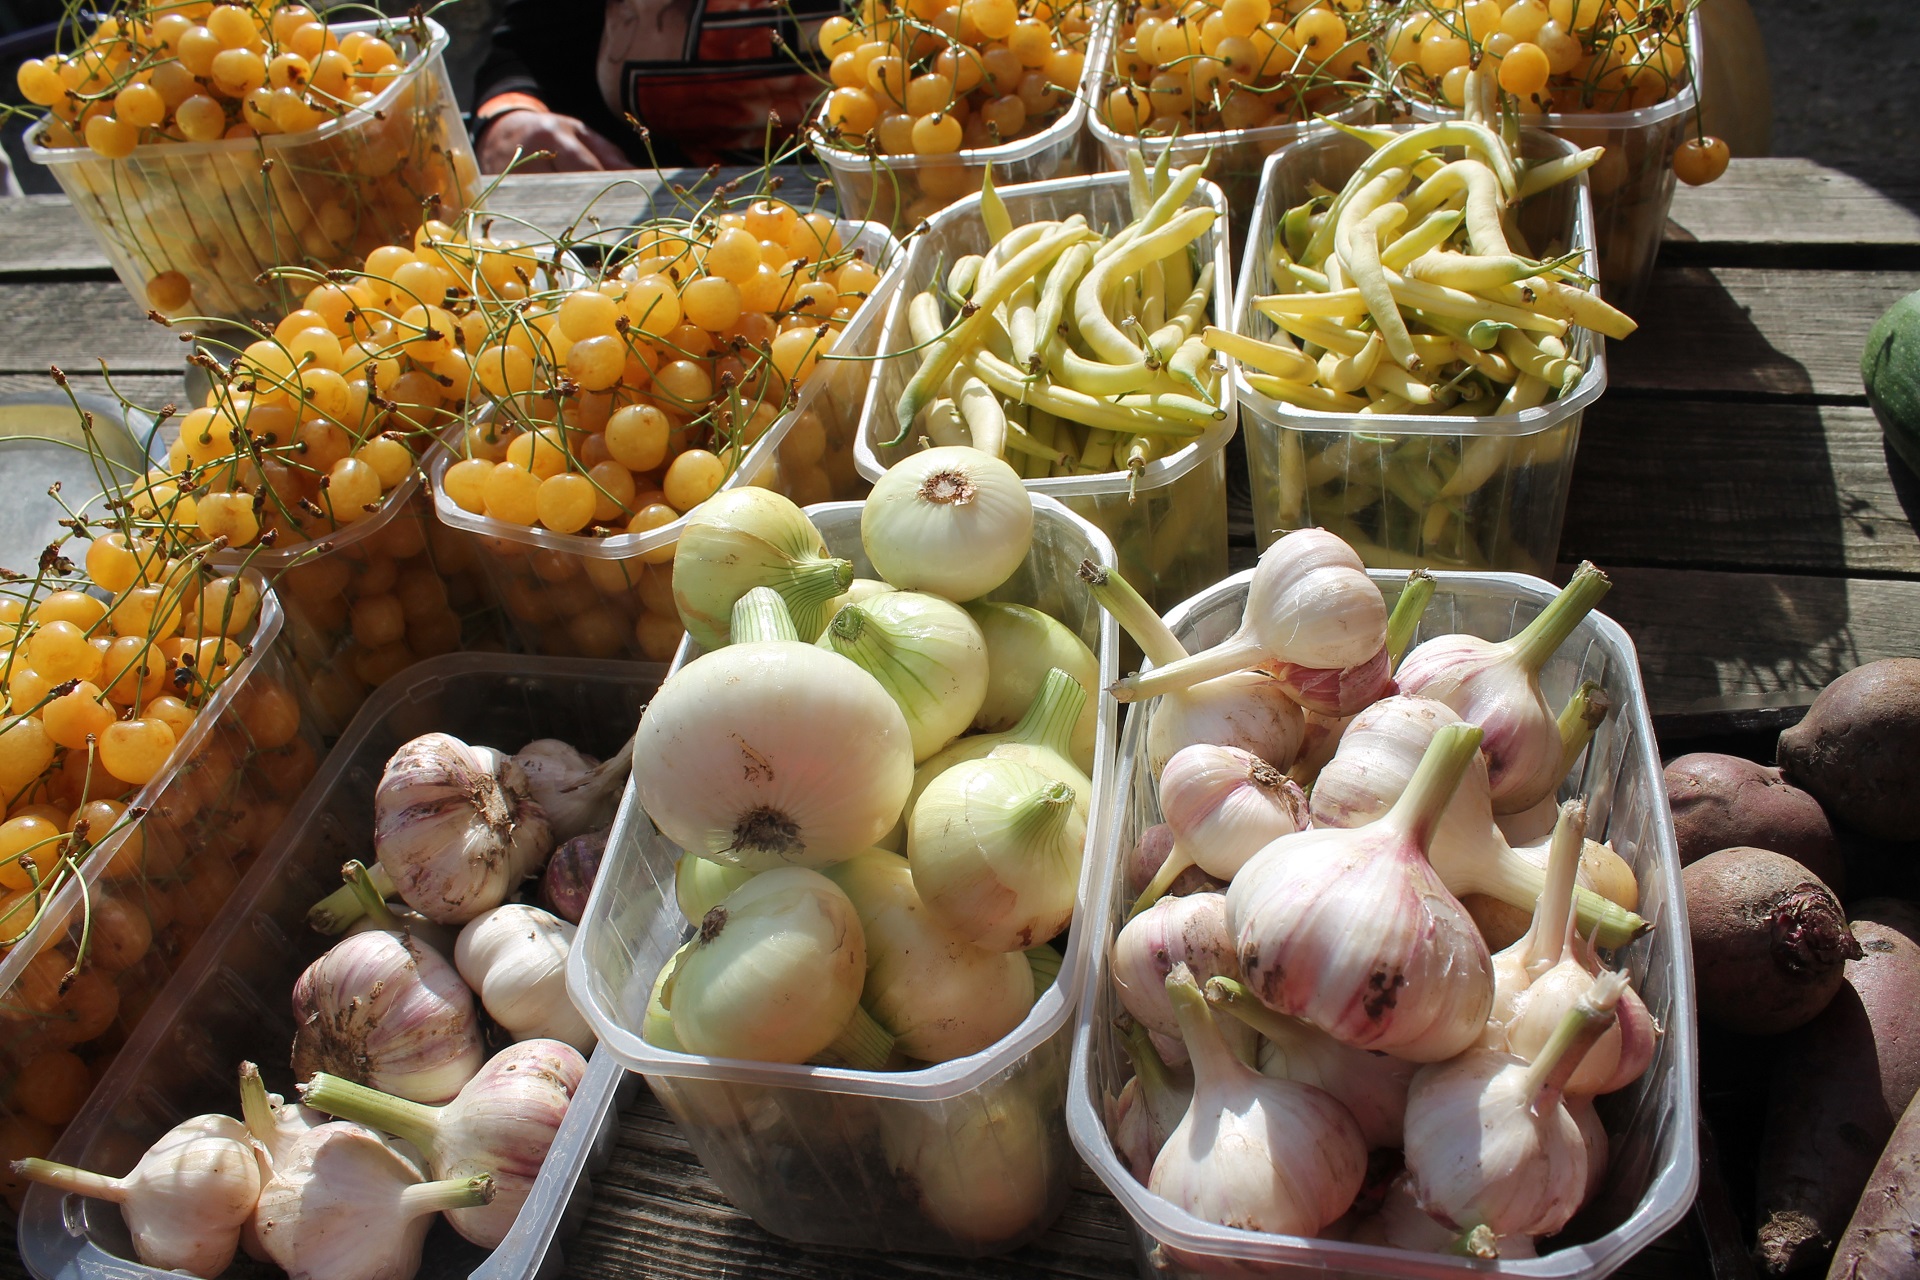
(1858, 750)
(568, 880)
(1837, 1087)
(1769, 940)
(1883, 1241)
(1721, 802)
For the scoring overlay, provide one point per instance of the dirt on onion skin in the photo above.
(1721, 802)
(1769, 940)
(1858, 749)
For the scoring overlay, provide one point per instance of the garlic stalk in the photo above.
(1601, 871)
(1618, 1058)
(336, 912)
(774, 974)
(184, 1202)
(578, 793)
(996, 847)
(700, 884)
(1516, 967)
(502, 1124)
(1150, 853)
(1150, 1105)
(927, 653)
(346, 1205)
(456, 827)
(376, 913)
(980, 1170)
(749, 537)
(940, 996)
(567, 882)
(1190, 931)
(1023, 645)
(1253, 1152)
(1352, 930)
(772, 753)
(514, 957)
(387, 1011)
(1223, 805)
(274, 1127)
(1372, 1086)
(1378, 755)
(1310, 605)
(1489, 1141)
(1579, 720)
(953, 521)
(1497, 686)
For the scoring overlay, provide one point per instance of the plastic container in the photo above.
(154, 882)
(1652, 1124)
(207, 210)
(42, 442)
(1168, 524)
(568, 594)
(815, 1154)
(230, 1003)
(1380, 481)
(1633, 182)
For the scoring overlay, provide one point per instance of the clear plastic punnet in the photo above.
(969, 1157)
(221, 214)
(571, 595)
(230, 1002)
(1653, 1168)
(1168, 523)
(1440, 491)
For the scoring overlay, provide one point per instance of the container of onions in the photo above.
(1623, 1156)
(1167, 519)
(117, 909)
(967, 1156)
(230, 1002)
(607, 595)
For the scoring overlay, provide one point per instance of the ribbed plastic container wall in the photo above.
(1653, 1167)
(571, 595)
(232, 1002)
(213, 212)
(968, 1157)
(1387, 482)
(1169, 523)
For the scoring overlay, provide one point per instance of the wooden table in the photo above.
(1732, 480)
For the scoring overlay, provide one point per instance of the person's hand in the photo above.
(574, 146)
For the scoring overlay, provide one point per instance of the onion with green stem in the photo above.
(750, 537)
(1023, 645)
(926, 652)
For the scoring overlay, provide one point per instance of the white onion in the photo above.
(953, 521)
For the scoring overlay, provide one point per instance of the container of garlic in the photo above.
(1645, 1180)
(965, 1157)
(230, 1002)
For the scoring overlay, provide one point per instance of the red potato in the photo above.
(1719, 802)
(1858, 750)
(1838, 1085)
(1883, 1240)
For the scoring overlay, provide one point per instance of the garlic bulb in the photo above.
(1497, 686)
(388, 1012)
(184, 1202)
(1310, 604)
(514, 958)
(1618, 1058)
(1023, 645)
(1353, 931)
(953, 521)
(996, 847)
(772, 753)
(749, 537)
(1317, 746)
(1598, 1145)
(1372, 1086)
(1224, 805)
(1333, 692)
(578, 793)
(456, 827)
(1149, 1107)
(1253, 1152)
(1249, 710)
(1516, 967)
(927, 653)
(774, 975)
(1489, 1142)
(941, 996)
(501, 1125)
(1400, 1223)
(981, 1169)
(346, 1205)
(699, 884)
(274, 1127)
(1190, 931)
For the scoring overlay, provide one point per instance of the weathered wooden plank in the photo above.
(77, 323)
(1795, 206)
(1761, 486)
(1744, 331)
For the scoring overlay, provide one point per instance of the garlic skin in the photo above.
(456, 827)
(577, 793)
(1190, 931)
(1252, 1152)
(1353, 931)
(388, 1012)
(1334, 692)
(1225, 805)
(1149, 1107)
(1245, 709)
(275, 1127)
(514, 957)
(567, 883)
(186, 1199)
(346, 1205)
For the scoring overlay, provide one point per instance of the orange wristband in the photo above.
(501, 104)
